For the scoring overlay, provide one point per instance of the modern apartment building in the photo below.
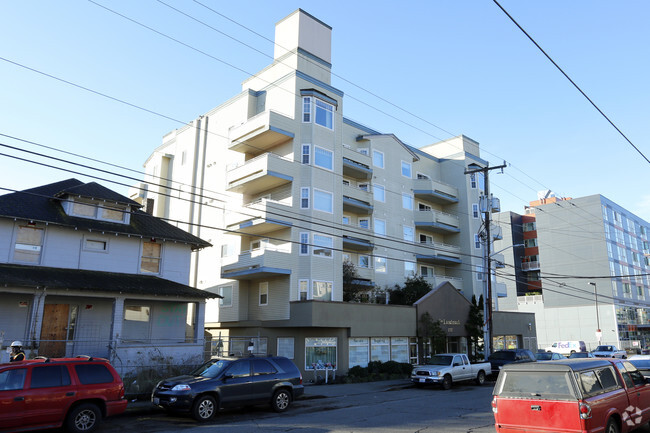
(287, 188)
(583, 267)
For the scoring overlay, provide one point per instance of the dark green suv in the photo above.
(231, 382)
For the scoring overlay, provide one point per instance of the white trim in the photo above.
(376, 187)
(232, 290)
(331, 211)
(374, 224)
(263, 287)
(307, 292)
(303, 154)
(331, 159)
(383, 159)
(410, 166)
(303, 189)
(409, 196)
(301, 244)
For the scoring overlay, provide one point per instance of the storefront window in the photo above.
(380, 349)
(399, 349)
(359, 351)
(320, 353)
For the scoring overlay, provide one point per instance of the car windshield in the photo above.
(604, 349)
(440, 360)
(212, 368)
(508, 356)
(579, 355)
(543, 356)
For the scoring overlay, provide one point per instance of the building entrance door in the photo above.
(55, 330)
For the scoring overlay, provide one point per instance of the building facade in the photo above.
(84, 271)
(583, 267)
(287, 189)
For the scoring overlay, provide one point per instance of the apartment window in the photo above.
(627, 290)
(472, 180)
(227, 250)
(303, 287)
(426, 239)
(29, 241)
(409, 233)
(305, 153)
(304, 243)
(647, 260)
(363, 186)
(475, 213)
(479, 273)
(639, 292)
(607, 234)
(529, 227)
(323, 158)
(379, 193)
(82, 209)
(533, 276)
(617, 217)
(422, 176)
(364, 261)
(409, 269)
(324, 114)
(322, 245)
(364, 223)
(306, 109)
(378, 159)
(406, 169)
(380, 227)
(380, 264)
(346, 182)
(95, 245)
(424, 207)
(477, 241)
(642, 229)
(321, 290)
(346, 220)
(622, 254)
(304, 198)
(407, 201)
(530, 243)
(604, 212)
(151, 253)
(259, 244)
(426, 271)
(635, 257)
(358, 352)
(364, 151)
(226, 292)
(264, 293)
(323, 201)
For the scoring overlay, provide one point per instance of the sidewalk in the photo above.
(142, 407)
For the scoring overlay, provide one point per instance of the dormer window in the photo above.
(99, 210)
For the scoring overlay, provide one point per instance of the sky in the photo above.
(422, 70)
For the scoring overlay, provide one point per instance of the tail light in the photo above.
(494, 404)
(301, 378)
(121, 392)
(585, 411)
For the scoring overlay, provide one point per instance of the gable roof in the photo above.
(95, 281)
(444, 286)
(43, 204)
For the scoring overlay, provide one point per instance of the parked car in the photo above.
(567, 347)
(609, 351)
(447, 368)
(502, 357)
(581, 355)
(231, 382)
(548, 356)
(576, 395)
(75, 393)
(642, 363)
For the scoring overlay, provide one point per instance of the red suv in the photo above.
(48, 393)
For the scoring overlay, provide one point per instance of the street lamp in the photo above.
(599, 334)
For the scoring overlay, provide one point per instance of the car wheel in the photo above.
(612, 426)
(204, 408)
(446, 382)
(480, 378)
(83, 418)
(281, 400)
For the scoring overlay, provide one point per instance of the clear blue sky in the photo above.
(461, 65)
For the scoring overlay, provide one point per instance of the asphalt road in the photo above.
(393, 407)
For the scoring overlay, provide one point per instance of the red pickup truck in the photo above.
(571, 395)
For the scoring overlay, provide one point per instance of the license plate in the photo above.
(422, 380)
(156, 400)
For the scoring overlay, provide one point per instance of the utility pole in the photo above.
(487, 305)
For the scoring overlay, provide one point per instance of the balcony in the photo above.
(436, 222)
(256, 264)
(356, 206)
(530, 266)
(356, 165)
(436, 280)
(259, 217)
(351, 243)
(259, 174)
(435, 191)
(438, 254)
(260, 133)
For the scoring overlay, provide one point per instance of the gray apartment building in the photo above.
(581, 265)
(287, 188)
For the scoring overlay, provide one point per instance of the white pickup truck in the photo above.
(446, 368)
(609, 351)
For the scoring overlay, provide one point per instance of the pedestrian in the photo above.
(17, 353)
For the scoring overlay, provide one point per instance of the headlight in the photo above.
(436, 373)
(181, 388)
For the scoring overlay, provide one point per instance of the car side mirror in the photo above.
(227, 376)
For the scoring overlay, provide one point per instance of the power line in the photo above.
(571, 81)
